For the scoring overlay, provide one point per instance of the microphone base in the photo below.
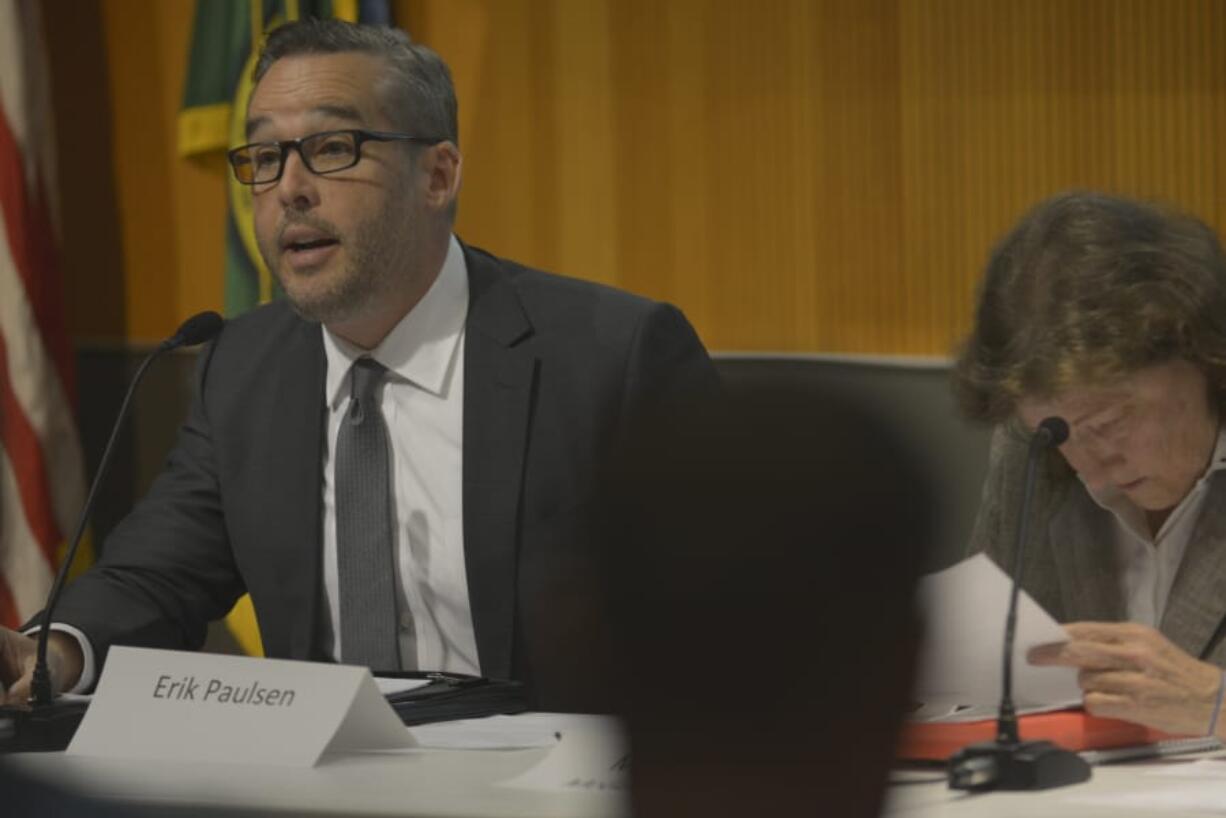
(1025, 765)
(47, 728)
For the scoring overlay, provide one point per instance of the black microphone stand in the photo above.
(1008, 763)
(47, 723)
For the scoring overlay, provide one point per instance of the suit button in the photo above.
(406, 621)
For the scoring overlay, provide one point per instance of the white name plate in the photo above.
(171, 705)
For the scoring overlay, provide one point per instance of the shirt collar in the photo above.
(1218, 461)
(421, 347)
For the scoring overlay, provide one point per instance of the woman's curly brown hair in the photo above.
(1086, 289)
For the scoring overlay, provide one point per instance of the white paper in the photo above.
(176, 706)
(593, 758)
(945, 714)
(390, 687)
(518, 732)
(964, 607)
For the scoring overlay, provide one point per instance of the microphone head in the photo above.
(197, 329)
(1054, 430)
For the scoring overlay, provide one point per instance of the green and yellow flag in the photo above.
(226, 38)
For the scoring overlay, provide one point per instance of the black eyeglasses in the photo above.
(327, 152)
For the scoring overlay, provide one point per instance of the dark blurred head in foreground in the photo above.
(761, 585)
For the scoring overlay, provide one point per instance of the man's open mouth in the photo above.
(298, 246)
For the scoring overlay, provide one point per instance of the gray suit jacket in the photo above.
(1070, 565)
(556, 373)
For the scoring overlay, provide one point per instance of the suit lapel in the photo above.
(499, 381)
(298, 393)
(1081, 543)
(1197, 602)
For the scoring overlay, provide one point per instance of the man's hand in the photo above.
(1132, 672)
(17, 656)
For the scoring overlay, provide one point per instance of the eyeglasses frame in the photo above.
(360, 136)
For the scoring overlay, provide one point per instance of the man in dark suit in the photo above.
(453, 530)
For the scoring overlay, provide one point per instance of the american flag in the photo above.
(41, 471)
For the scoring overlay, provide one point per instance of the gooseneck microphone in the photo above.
(1008, 763)
(42, 716)
(199, 328)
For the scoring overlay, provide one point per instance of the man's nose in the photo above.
(298, 188)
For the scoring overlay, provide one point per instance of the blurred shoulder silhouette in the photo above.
(760, 577)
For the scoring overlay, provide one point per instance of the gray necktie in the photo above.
(365, 541)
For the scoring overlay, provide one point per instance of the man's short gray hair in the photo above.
(418, 95)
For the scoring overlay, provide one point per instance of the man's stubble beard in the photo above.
(377, 256)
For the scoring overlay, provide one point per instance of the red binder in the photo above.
(1072, 729)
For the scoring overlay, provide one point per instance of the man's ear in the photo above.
(442, 167)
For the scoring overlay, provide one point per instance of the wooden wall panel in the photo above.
(89, 226)
(1006, 103)
(830, 176)
(803, 175)
(171, 211)
(143, 168)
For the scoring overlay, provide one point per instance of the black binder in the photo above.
(450, 696)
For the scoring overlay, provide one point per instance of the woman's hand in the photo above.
(1132, 672)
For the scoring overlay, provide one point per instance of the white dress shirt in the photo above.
(423, 407)
(1148, 561)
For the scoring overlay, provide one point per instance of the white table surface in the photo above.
(926, 795)
(438, 783)
(454, 783)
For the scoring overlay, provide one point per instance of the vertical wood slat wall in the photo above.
(803, 175)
